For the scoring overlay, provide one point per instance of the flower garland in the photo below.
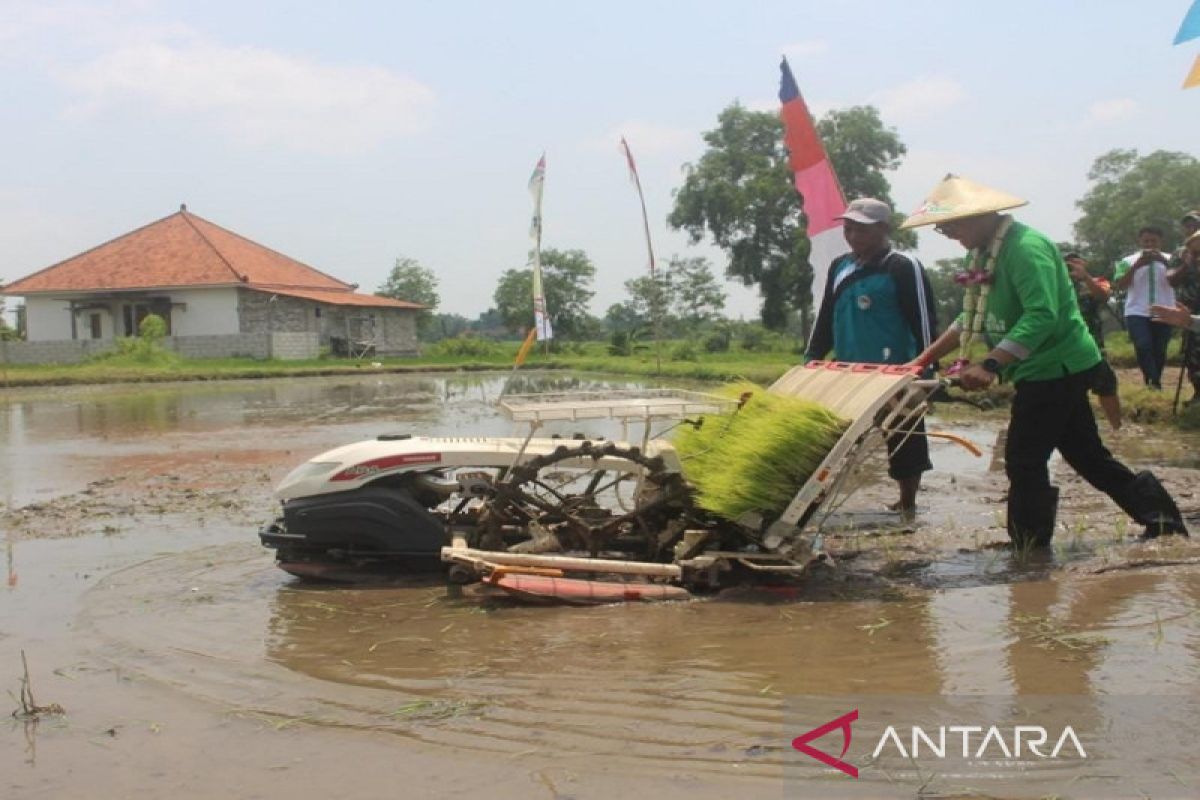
(977, 280)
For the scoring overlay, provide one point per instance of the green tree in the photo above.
(567, 280)
(647, 300)
(682, 296)
(695, 296)
(741, 193)
(410, 281)
(448, 326)
(621, 318)
(1129, 191)
(651, 298)
(947, 294)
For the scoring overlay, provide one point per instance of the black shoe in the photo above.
(1150, 504)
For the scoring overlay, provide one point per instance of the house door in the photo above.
(94, 323)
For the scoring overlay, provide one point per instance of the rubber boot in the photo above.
(1151, 505)
(1031, 516)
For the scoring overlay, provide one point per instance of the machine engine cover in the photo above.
(371, 521)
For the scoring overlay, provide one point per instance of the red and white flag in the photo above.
(815, 181)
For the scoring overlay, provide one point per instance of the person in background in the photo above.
(1093, 293)
(1179, 315)
(1143, 277)
(1037, 340)
(878, 309)
(1184, 277)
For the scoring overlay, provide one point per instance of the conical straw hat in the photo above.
(956, 198)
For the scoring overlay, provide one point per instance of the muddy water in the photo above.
(187, 664)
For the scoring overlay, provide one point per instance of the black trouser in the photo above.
(909, 457)
(1054, 415)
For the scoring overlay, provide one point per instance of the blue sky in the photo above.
(348, 134)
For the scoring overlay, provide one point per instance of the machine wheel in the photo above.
(571, 501)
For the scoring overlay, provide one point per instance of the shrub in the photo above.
(757, 339)
(685, 351)
(718, 341)
(464, 345)
(621, 343)
(152, 329)
(146, 348)
(566, 348)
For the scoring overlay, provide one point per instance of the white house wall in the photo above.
(47, 319)
(208, 312)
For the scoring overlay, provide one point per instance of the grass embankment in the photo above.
(737, 363)
(761, 367)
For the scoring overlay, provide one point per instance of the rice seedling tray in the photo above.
(640, 404)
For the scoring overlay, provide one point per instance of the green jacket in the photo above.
(1032, 310)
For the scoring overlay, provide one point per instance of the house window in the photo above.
(317, 312)
(94, 321)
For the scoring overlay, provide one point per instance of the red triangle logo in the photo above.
(843, 722)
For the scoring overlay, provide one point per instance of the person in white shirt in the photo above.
(1179, 315)
(1143, 277)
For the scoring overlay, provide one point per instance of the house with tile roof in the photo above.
(220, 294)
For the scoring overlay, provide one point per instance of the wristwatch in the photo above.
(992, 365)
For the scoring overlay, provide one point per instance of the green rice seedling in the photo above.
(756, 459)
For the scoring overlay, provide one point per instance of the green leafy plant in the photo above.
(757, 458)
(144, 349)
(684, 351)
(464, 345)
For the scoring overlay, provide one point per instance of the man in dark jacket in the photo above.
(878, 309)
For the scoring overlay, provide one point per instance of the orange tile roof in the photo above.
(176, 251)
(342, 298)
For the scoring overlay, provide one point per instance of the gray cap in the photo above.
(868, 211)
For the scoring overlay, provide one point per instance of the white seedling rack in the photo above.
(877, 400)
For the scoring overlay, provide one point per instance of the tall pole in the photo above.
(656, 296)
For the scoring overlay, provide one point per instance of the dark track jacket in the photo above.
(881, 312)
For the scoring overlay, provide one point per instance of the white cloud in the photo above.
(31, 27)
(258, 96)
(919, 98)
(805, 49)
(1112, 110)
(648, 138)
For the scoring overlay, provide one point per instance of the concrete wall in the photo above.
(47, 319)
(257, 312)
(207, 312)
(295, 346)
(193, 312)
(61, 351)
(399, 332)
(284, 346)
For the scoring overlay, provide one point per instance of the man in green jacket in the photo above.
(1025, 309)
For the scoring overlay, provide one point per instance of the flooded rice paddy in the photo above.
(188, 665)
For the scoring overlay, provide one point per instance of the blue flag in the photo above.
(1190, 27)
